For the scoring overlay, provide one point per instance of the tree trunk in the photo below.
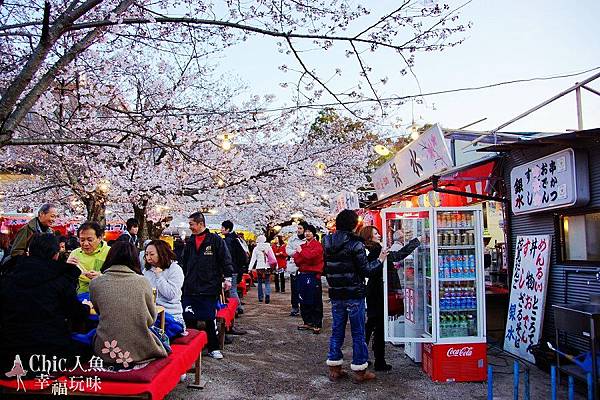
(139, 213)
(95, 204)
(148, 229)
(155, 229)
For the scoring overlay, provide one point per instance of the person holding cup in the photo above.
(165, 276)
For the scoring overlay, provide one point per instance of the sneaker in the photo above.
(228, 340)
(216, 354)
(260, 300)
(267, 299)
(240, 311)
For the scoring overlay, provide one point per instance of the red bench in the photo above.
(226, 318)
(154, 381)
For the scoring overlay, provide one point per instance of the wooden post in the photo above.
(198, 382)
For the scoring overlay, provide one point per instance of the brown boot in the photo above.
(363, 376)
(336, 373)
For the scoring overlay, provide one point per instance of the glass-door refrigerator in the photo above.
(434, 298)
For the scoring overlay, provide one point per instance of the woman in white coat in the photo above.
(263, 260)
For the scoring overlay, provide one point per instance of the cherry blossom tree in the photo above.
(41, 43)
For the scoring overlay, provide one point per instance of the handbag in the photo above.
(162, 336)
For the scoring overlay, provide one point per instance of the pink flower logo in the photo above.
(124, 359)
(111, 349)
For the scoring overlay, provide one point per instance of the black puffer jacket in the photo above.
(37, 299)
(346, 266)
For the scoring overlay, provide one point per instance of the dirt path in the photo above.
(276, 361)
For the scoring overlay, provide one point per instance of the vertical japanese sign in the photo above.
(422, 158)
(550, 182)
(527, 296)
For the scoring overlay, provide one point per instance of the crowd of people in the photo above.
(100, 296)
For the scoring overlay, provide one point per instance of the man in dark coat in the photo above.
(131, 234)
(47, 214)
(346, 267)
(208, 268)
(38, 298)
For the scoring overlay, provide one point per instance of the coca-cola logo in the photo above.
(466, 351)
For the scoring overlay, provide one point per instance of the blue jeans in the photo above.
(233, 291)
(266, 279)
(341, 311)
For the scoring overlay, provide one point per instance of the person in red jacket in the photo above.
(281, 255)
(309, 259)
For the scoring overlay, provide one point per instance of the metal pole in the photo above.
(526, 395)
(516, 380)
(545, 103)
(579, 110)
(490, 383)
(571, 388)
(553, 381)
(590, 386)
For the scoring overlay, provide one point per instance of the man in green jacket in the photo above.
(47, 214)
(91, 254)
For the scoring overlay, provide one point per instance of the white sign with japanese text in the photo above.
(424, 157)
(548, 183)
(527, 296)
(344, 201)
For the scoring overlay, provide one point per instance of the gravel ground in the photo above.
(276, 361)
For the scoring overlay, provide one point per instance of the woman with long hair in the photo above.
(123, 299)
(375, 303)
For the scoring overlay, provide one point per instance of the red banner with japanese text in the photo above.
(527, 296)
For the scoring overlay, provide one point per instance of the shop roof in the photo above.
(427, 184)
(572, 139)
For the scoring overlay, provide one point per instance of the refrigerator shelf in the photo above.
(451, 228)
(460, 247)
(443, 310)
(456, 279)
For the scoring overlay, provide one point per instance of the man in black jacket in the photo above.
(346, 267)
(131, 234)
(238, 258)
(38, 299)
(206, 263)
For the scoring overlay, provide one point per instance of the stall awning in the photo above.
(471, 181)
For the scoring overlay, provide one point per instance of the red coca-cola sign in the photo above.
(466, 351)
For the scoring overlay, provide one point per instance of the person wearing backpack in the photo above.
(263, 260)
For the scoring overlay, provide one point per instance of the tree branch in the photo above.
(367, 76)
(10, 119)
(37, 142)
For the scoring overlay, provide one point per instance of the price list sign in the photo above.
(527, 296)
